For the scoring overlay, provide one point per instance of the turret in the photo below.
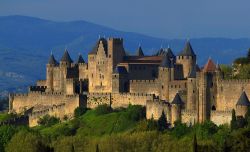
(66, 59)
(191, 90)
(242, 105)
(49, 72)
(65, 63)
(139, 52)
(187, 59)
(80, 60)
(164, 77)
(177, 104)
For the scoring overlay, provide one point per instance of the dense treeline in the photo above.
(106, 130)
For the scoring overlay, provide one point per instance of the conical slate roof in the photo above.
(177, 100)
(66, 57)
(80, 59)
(52, 60)
(243, 100)
(170, 53)
(166, 62)
(139, 52)
(187, 51)
(192, 73)
(210, 66)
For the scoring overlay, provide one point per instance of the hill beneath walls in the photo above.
(26, 43)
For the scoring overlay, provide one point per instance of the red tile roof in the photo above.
(210, 66)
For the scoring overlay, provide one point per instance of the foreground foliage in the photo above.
(123, 130)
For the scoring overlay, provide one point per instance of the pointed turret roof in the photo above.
(177, 100)
(139, 52)
(166, 62)
(187, 51)
(210, 66)
(52, 60)
(170, 53)
(66, 57)
(243, 100)
(192, 73)
(80, 59)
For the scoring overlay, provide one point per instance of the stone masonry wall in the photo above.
(221, 117)
(229, 92)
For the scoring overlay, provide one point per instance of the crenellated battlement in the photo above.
(143, 81)
(37, 88)
(221, 112)
(234, 81)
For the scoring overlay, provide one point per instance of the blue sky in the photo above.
(159, 18)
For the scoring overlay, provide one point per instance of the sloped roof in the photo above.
(192, 73)
(66, 57)
(197, 68)
(218, 67)
(243, 100)
(95, 48)
(177, 100)
(121, 70)
(80, 59)
(187, 51)
(139, 52)
(52, 60)
(210, 66)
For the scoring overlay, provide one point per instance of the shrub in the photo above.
(48, 120)
(103, 109)
(79, 111)
(135, 112)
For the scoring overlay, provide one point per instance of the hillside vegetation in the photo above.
(106, 130)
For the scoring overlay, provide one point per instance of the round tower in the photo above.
(65, 63)
(176, 108)
(49, 72)
(187, 59)
(242, 105)
(191, 91)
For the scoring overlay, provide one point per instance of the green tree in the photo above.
(103, 109)
(48, 120)
(6, 132)
(162, 122)
(97, 148)
(195, 146)
(233, 121)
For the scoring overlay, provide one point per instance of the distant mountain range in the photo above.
(26, 43)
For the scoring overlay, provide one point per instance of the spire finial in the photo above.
(66, 47)
(51, 52)
(139, 44)
(99, 36)
(168, 46)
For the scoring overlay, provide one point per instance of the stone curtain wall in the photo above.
(221, 117)
(229, 92)
(145, 86)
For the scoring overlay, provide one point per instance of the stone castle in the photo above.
(164, 82)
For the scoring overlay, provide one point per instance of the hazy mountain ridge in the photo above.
(26, 43)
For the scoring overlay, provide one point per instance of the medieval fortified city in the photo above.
(163, 82)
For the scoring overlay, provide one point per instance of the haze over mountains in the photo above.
(26, 43)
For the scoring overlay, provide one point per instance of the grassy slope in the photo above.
(91, 124)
